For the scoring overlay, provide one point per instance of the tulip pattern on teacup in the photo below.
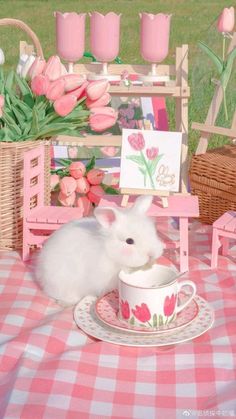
(142, 314)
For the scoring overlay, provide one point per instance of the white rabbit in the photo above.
(84, 257)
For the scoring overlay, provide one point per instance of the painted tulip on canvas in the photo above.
(150, 160)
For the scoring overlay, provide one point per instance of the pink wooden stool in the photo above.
(39, 220)
(223, 229)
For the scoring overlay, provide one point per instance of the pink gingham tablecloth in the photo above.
(51, 369)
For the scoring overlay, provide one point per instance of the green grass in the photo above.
(192, 20)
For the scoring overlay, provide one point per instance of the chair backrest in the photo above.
(33, 173)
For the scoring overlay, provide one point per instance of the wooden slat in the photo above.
(162, 70)
(228, 132)
(174, 91)
(90, 140)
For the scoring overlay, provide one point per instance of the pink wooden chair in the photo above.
(223, 229)
(39, 220)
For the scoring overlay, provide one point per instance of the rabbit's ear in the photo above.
(105, 216)
(142, 204)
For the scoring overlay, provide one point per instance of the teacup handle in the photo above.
(180, 286)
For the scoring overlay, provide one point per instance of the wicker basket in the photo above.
(11, 195)
(213, 179)
(11, 171)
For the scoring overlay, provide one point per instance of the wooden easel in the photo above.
(209, 128)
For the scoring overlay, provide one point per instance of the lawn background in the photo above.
(192, 20)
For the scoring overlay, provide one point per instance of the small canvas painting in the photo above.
(150, 160)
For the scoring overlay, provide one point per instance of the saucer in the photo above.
(87, 320)
(106, 308)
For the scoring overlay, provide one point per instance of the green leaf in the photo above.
(161, 322)
(142, 170)
(109, 190)
(131, 321)
(154, 163)
(136, 159)
(154, 320)
(35, 123)
(91, 164)
(216, 60)
(25, 90)
(228, 69)
(11, 124)
(9, 80)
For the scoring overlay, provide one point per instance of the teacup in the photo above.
(149, 298)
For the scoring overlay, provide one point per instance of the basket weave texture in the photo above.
(11, 190)
(213, 179)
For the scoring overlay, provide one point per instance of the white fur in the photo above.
(85, 256)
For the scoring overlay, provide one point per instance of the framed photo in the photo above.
(150, 160)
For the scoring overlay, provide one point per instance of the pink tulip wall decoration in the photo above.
(154, 41)
(105, 40)
(70, 36)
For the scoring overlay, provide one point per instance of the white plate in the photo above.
(107, 306)
(85, 318)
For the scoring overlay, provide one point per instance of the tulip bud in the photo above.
(102, 101)
(53, 68)
(96, 89)
(55, 90)
(95, 194)
(67, 200)
(40, 84)
(82, 185)
(36, 68)
(65, 104)
(67, 185)
(225, 21)
(95, 176)
(80, 91)
(72, 81)
(85, 205)
(77, 169)
(102, 118)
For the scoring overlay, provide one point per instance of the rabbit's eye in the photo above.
(129, 241)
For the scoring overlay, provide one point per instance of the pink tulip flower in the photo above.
(72, 81)
(102, 101)
(2, 101)
(102, 118)
(53, 68)
(95, 194)
(95, 176)
(65, 104)
(40, 84)
(55, 90)
(85, 205)
(82, 185)
(152, 153)
(67, 200)
(77, 169)
(37, 67)
(225, 21)
(137, 141)
(54, 180)
(80, 91)
(96, 89)
(67, 185)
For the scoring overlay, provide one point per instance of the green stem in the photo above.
(225, 105)
(223, 51)
(148, 171)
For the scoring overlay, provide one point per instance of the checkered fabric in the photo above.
(51, 369)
